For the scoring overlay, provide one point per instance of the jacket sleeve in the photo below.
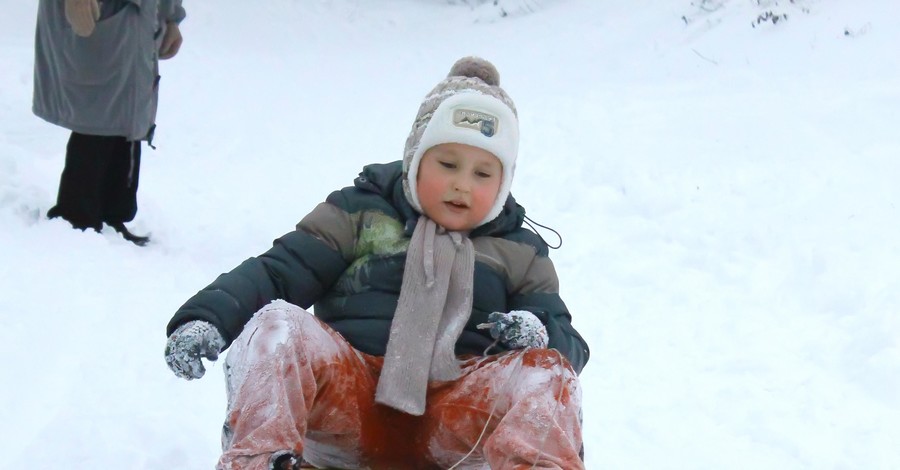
(539, 294)
(173, 11)
(299, 268)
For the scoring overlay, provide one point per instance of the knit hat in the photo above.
(468, 107)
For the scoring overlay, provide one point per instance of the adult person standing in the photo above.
(96, 73)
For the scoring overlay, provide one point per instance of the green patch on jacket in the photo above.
(381, 236)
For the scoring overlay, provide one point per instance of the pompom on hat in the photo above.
(468, 107)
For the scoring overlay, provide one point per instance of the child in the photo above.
(439, 338)
(96, 74)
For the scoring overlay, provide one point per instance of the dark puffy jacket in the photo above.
(346, 259)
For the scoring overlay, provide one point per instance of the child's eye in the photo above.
(448, 165)
(482, 174)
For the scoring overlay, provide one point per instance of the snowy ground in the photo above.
(727, 192)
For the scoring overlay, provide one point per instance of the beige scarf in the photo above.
(434, 305)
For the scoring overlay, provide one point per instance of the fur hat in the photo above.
(468, 107)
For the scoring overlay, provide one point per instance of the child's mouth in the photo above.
(457, 205)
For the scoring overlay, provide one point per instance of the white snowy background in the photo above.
(727, 191)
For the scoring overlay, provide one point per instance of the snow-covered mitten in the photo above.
(518, 329)
(188, 343)
(82, 15)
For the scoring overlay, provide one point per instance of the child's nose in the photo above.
(461, 184)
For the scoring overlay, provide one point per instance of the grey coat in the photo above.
(107, 83)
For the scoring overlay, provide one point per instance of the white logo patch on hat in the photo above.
(485, 123)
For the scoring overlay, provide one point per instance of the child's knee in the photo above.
(271, 326)
(550, 366)
(278, 311)
(549, 359)
(278, 320)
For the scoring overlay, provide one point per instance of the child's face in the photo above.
(457, 184)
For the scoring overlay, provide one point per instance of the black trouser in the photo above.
(99, 182)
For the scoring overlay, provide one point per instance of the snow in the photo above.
(727, 194)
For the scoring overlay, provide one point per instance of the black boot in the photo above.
(126, 234)
(285, 461)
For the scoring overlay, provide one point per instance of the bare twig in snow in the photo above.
(705, 58)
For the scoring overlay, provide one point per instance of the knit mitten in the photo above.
(190, 342)
(518, 329)
(82, 15)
